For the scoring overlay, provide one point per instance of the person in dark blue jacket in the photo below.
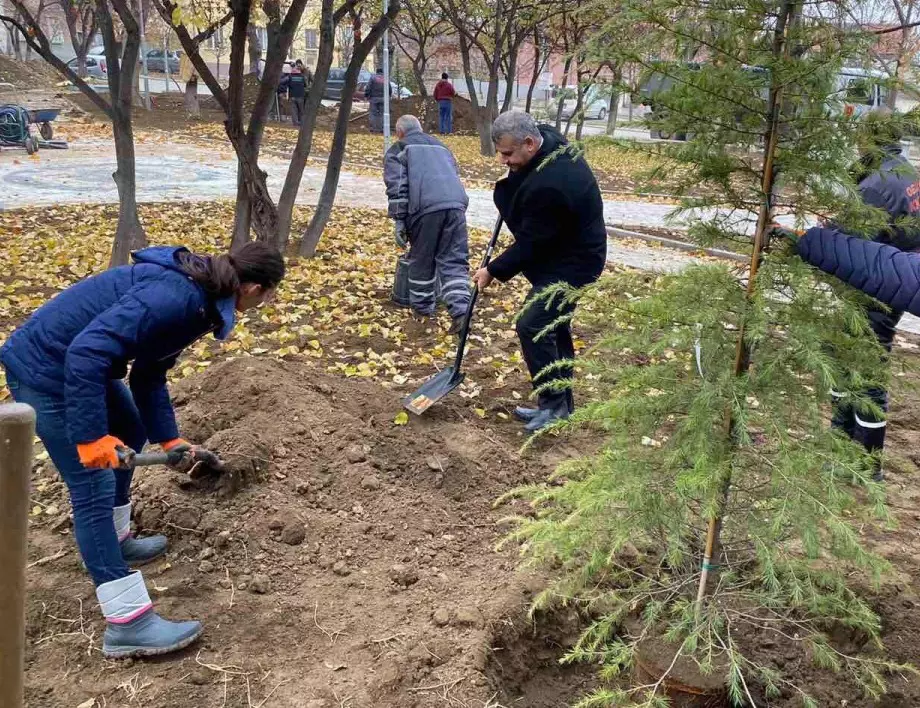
(888, 182)
(68, 362)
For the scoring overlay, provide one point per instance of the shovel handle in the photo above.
(130, 459)
(474, 295)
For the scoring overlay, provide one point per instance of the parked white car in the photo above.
(594, 105)
(859, 91)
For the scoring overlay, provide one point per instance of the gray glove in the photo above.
(400, 235)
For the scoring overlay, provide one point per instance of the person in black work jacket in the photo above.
(297, 91)
(552, 205)
(886, 181)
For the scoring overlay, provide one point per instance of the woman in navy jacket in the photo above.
(68, 362)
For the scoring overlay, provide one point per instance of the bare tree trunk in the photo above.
(511, 78)
(255, 48)
(418, 69)
(307, 126)
(80, 37)
(480, 113)
(129, 235)
(565, 82)
(192, 106)
(579, 100)
(242, 213)
(613, 109)
(538, 63)
(486, 147)
(580, 113)
(320, 218)
(15, 42)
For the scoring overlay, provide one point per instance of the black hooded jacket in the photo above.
(554, 210)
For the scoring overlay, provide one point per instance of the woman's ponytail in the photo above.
(215, 274)
(221, 276)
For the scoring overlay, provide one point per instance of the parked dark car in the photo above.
(336, 82)
(156, 61)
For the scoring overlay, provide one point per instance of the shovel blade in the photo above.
(432, 391)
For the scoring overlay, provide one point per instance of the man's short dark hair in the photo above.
(444, 75)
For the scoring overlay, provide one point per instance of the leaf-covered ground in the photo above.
(334, 309)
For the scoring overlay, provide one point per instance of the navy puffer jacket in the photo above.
(87, 335)
(884, 272)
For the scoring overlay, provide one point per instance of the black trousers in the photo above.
(867, 429)
(553, 346)
(297, 110)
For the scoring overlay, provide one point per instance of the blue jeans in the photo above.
(93, 492)
(445, 116)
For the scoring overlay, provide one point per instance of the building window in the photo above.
(311, 38)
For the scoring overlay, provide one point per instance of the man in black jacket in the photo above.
(552, 205)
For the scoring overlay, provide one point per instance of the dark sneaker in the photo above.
(456, 324)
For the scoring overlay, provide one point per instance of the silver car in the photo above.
(95, 65)
(594, 106)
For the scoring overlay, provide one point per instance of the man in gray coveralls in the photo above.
(428, 203)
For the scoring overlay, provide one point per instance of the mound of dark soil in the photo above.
(350, 557)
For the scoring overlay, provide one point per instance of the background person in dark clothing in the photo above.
(428, 204)
(556, 216)
(444, 94)
(373, 92)
(296, 84)
(887, 181)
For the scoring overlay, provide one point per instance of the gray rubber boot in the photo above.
(133, 629)
(526, 414)
(136, 551)
(548, 416)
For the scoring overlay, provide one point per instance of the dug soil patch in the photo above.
(350, 563)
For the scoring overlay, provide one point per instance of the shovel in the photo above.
(438, 386)
(201, 457)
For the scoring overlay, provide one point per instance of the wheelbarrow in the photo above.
(42, 117)
(15, 132)
(14, 129)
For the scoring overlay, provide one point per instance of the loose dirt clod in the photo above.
(293, 534)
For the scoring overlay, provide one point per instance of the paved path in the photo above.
(179, 171)
(169, 171)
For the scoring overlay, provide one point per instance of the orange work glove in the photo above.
(172, 444)
(100, 453)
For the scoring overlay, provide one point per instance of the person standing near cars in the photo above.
(374, 93)
(551, 203)
(444, 93)
(297, 92)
